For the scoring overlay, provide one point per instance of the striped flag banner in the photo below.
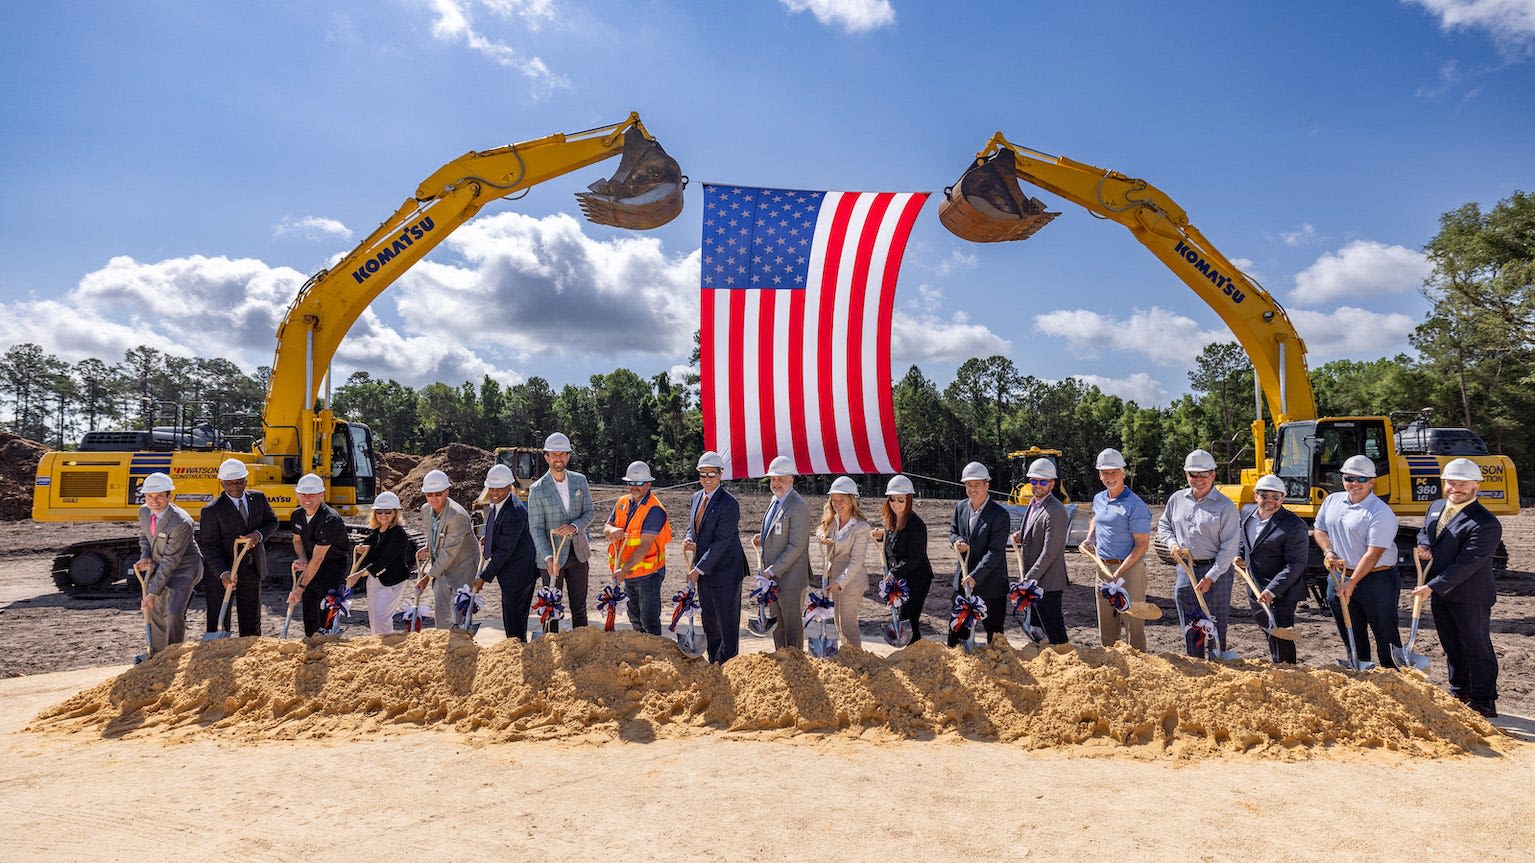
(797, 292)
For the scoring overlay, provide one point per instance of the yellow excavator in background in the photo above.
(298, 432)
(989, 205)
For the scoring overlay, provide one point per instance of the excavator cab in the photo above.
(645, 192)
(988, 206)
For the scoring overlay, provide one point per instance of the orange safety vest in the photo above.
(632, 522)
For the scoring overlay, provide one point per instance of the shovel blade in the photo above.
(761, 625)
(1405, 658)
(897, 634)
(216, 636)
(1355, 665)
(1288, 633)
(692, 645)
(1144, 611)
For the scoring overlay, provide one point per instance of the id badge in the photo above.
(778, 528)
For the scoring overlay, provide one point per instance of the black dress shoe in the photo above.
(1462, 697)
(1486, 708)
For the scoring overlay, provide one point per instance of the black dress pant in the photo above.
(1048, 613)
(314, 596)
(1372, 607)
(912, 609)
(719, 602)
(572, 579)
(1280, 650)
(1465, 633)
(245, 605)
(516, 602)
(996, 617)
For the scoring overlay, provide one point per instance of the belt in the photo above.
(1204, 562)
(1113, 561)
(1347, 571)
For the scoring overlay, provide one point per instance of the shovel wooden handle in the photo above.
(1188, 564)
(1417, 601)
(1108, 574)
(1337, 583)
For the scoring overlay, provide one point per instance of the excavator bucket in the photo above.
(988, 206)
(646, 191)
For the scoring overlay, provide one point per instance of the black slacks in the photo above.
(1465, 633)
(719, 602)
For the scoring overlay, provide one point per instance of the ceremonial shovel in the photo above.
(692, 642)
(1288, 633)
(287, 621)
(551, 591)
(897, 632)
(241, 546)
(761, 625)
(823, 645)
(1025, 623)
(1138, 610)
(1213, 649)
(1404, 656)
(1353, 662)
(149, 641)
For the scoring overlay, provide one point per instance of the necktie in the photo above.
(698, 519)
(767, 523)
(154, 521)
(240, 505)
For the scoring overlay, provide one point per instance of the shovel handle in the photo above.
(1108, 575)
(1417, 601)
(1337, 582)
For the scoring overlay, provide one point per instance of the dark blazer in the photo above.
(391, 555)
(1044, 545)
(718, 555)
(511, 558)
(220, 525)
(1462, 567)
(906, 552)
(1277, 560)
(988, 545)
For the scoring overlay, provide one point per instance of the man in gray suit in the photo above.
(1042, 541)
(169, 561)
(561, 501)
(450, 547)
(785, 544)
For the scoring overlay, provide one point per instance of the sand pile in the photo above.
(595, 685)
(18, 471)
(465, 466)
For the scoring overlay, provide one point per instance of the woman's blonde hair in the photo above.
(373, 517)
(829, 515)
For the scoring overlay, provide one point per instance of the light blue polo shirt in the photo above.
(1117, 520)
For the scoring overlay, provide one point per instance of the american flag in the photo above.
(795, 338)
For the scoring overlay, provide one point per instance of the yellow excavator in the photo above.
(988, 204)
(298, 433)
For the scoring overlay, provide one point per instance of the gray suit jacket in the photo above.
(546, 512)
(1044, 545)
(786, 542)
(173, 549)
(455, 551)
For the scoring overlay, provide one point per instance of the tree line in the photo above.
(1474, 363)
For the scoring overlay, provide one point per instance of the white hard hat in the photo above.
(710, 458)
(232, 468)
(435, 481)
(499, 476)
(387, 500)
(975, 470)
(1269, 482)
(556, 443)
(1462, 468)
(638, 472)
(157, 482)
(310, 483)
(1042, 468)
(1110, 459)
(1360, 465)
(1199, 460)
(844, 485)
(899, 484)
(781, 466)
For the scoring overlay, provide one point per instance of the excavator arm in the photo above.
(646, 192)
(987, 205)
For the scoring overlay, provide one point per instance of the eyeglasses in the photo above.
(1270, 495)
(1359, 479)
(1199, 474)
(1040, 481)
(708, 474)
(633, 484)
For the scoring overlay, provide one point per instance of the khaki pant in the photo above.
(845, 612)
(1109, 623)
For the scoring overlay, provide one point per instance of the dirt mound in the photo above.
(588, 684)
(18, 472)
(465, 466)
(392, 468)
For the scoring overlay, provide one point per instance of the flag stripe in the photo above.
(795, 350)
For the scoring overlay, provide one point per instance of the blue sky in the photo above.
(175, 170)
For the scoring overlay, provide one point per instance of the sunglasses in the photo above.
(633, 484)
(1270, 495)
(1358, 479)
(1199, 474)
(708, 474)
(1040, 481)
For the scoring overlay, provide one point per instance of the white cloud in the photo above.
(925, 338)
(958, 261)
(1348, 332)
(1510, 22)
(1361, 268)
(312, 228)
(1161, 336)
(534, 13)
(1138, 387)
(853, 16)
(1304, 235)
(453, 24)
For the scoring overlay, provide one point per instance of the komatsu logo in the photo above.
(1205, 268)
(405, 240)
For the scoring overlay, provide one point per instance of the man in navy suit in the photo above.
(1458, 539)
(979, 533)
(508, 552)
(1274, 543)
(719, 566)
(236, 513)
